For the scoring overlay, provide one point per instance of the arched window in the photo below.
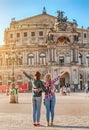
(30, 59)
(87, 56)
(80, 58)
(81, 81)
(81, 77)
(42, 58)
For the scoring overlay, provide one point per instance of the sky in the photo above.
(21, 9)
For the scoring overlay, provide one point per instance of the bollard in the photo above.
(11, 96)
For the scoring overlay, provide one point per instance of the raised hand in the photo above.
(22, 70)
(63, 72)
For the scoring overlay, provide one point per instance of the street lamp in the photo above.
(11, 58)
(13, 63)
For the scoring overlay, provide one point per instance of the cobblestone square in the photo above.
(71, 113)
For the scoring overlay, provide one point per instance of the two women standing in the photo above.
(37, 88)
(48, 87)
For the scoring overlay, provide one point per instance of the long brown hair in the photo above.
(37, 75)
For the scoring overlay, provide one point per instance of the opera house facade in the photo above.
(47, 44)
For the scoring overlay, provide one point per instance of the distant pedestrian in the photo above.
(15, 89)
(68, 89)
(64, 91)
(86, 88)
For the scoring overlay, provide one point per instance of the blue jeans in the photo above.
(50, 105)
(36, 102)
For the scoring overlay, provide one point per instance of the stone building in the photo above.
(48, 44)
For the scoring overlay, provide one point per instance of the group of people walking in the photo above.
(38, 87)
(65, 89)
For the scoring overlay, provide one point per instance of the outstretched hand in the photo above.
(22, 70)
(62, 73)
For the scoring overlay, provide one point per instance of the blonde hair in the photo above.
(47, 77)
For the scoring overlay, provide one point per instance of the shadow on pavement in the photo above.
(77, 127)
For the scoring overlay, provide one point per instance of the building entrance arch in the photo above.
(65, 79)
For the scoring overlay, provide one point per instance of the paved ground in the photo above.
(71, 113)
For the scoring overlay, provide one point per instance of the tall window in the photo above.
(42, 58)
(31, 59)
(11, 35)
(87, 56)
(25, 34)
(18, 35)
(32, 33)
(80, 58)
(41, 33)
(81, 77)
(85, 35)
(75, 38)
(81, 81)
(61, 60)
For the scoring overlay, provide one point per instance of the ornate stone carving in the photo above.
(61, 24)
